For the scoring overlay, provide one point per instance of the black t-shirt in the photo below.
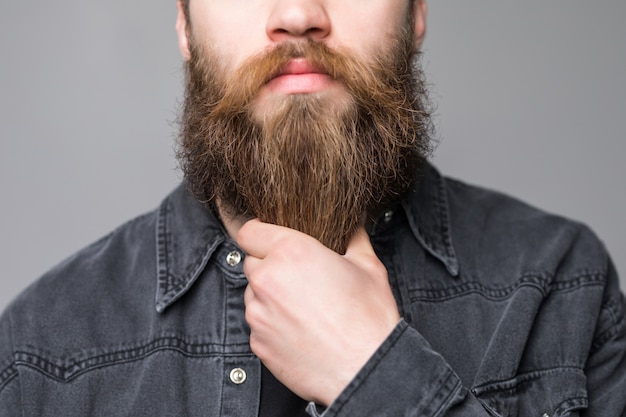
(277, 400)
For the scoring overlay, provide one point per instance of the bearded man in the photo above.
(313, 262)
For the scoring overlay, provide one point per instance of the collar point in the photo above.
(160, 307)
(453, 267)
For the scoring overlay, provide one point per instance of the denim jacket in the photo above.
(507, 311)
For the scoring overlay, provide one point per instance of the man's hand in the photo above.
(315, 316)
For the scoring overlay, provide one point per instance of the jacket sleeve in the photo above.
(606, 366)
(10, 395)
(405, 377)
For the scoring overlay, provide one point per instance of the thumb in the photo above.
(359, 245)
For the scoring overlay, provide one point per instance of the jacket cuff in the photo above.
(403, 377)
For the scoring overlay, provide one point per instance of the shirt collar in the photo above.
(188, 234)
(428, 213)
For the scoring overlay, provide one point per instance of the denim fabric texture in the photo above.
(507, 311)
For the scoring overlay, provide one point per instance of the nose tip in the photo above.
(298, 18)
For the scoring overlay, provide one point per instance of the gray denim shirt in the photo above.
(507, 311)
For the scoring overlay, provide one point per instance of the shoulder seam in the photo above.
(618, 324)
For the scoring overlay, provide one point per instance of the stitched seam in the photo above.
(224, 299)
(7, 375)
(13, 366)
(538, 281)
(69, 376)
(605, 336)
(512, 385)
(75, 368)
(442, 209)
(571, 404)
(170, 286)
(162, 250)
(448, 399)
(202, 254)
(160, 341)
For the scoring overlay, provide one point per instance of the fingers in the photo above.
(252, 238)
(257, 238)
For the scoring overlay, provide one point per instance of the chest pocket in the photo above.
(557, 392)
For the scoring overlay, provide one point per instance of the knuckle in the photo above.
(248, 267)
(261, 281)
(291, 247)
(376, 268)
(245, 232)
(248, 296)
(254, 343)
(257, 347)
(253, 317)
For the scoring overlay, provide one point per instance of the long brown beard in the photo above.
(310, 164)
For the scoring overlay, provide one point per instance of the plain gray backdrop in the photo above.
(531, 100)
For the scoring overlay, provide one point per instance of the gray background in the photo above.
(531, 98)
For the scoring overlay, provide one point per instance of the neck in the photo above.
(231, 223)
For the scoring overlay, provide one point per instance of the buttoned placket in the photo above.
(242, 369)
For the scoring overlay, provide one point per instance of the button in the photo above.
(233, 258)
(238, 376)
(388, 216)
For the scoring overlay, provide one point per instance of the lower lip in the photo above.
(299, 83)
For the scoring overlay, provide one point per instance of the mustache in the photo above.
(243, 84)
(260, 69)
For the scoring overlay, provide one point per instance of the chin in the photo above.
(332, 101)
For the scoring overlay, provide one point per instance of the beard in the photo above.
(311, 162)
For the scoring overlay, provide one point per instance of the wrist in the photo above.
(354, 360)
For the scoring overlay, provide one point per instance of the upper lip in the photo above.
(299, 66)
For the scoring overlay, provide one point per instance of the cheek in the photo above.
(231, 34)
(368, 29)
(220, 55)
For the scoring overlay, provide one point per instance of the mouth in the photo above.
(299, 77)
